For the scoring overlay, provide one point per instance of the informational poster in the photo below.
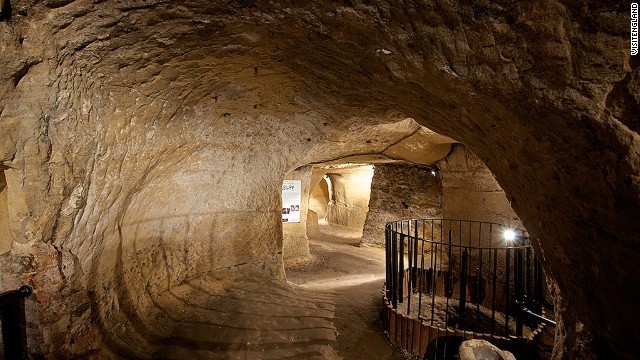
(291, 190)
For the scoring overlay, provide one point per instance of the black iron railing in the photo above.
(472, 276)
(14, 325)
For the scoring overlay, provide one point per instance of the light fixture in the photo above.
(509, 235)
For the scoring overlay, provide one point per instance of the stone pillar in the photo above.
(295, 242)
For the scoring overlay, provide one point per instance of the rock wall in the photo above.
(319, 199)
(105, 103)
(401, 191)
(312, 224)
(470, 192)
(350, 190)
(5, 232)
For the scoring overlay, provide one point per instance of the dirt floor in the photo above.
(478, 318)
(329, 310)
(351, 277)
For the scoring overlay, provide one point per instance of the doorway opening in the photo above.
(320, 197)
(349, 206)
(342, 201)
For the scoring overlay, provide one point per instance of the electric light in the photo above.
(509, 235)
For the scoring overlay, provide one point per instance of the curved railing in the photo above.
(458, 279)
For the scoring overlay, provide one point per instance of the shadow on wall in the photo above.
(349, 196)
(5, 10)
(5, 232)
(319, 199)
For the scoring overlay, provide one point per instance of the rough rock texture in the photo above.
(350, 190)
(5, 231)
(319, 198)
(146, 141)
(482, 350)
(401, 191)
(470, 192)
(312, 223)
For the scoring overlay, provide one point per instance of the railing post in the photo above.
(394, 265)
(463, 288)
(493, 293)
(401, 270)
(519, 290)
(528, 277)
(409, 269)
(449, 286)
(415, 253)
(539, 295)
(507, 291)
(387, 258)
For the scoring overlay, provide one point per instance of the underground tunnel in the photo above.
(145, 145)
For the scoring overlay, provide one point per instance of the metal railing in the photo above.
(14, 324)
(477, 277)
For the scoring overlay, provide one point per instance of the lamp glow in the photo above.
(509, 235)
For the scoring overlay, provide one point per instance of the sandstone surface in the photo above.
(482, 349)
(144, 144)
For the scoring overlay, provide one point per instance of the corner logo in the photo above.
(634, 28)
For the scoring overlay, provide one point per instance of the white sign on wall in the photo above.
(291, 190)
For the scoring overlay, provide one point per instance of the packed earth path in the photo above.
(351, 277)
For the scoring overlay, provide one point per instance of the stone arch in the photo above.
(320, 197)
(554, 123)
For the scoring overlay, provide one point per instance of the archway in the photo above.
(98, 110)
(319, 198)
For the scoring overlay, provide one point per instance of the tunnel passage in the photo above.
(320, 197)
(98, 95)
(349, 202)
(458, 185)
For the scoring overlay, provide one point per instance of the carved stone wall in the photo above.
(401, 191)
(144, 144)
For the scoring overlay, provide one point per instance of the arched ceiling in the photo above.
(103, 99)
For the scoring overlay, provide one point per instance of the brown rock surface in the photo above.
(350, 190)
(319, 198)
(400, 191)
(482, 349)
(470, 192)
(144, 144)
